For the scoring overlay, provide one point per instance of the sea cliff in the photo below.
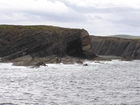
(33, 42)
(110, 46)
(37, 45)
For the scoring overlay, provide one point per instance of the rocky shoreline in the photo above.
(37, 62)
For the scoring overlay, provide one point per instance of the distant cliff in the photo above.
(43, 41)
(127, 48)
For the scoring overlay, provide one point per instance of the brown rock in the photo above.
(85, 64)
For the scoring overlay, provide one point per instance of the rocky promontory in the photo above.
(32, 42)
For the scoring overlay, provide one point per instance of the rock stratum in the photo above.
(109, 46)
(43, 41)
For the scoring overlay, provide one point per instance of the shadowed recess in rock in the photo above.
(74, 48)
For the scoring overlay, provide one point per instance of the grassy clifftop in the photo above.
(35, 28)
(125, 36)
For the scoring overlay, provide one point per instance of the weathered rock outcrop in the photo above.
(127, 48)
(42, 41)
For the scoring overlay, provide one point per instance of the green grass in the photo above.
(30, 26)
(36, 27)
(125, 36)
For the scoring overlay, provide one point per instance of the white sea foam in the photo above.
(99, 83)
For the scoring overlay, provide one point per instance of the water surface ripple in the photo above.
(99, 83)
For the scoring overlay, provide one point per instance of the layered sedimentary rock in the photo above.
(42, 41)
(127, 48)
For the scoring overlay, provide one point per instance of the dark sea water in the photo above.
(100, 83)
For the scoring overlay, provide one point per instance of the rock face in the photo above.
(42, 41)
(127, 48)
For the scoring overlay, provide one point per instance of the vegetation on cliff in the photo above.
(125, 36)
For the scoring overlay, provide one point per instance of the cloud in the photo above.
(104, 3)
(113, 19)
(100, 17)
(40, 10)
(34, 5)
(129, 17)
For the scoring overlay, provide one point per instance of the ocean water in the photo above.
(100, 83)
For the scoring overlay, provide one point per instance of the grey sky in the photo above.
(98, 17)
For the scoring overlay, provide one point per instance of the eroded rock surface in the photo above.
(127, 48)
(43, 41)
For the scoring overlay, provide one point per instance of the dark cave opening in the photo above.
(74, 48)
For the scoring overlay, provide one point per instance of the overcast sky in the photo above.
(98, 17)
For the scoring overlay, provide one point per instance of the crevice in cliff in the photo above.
(74, 48)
